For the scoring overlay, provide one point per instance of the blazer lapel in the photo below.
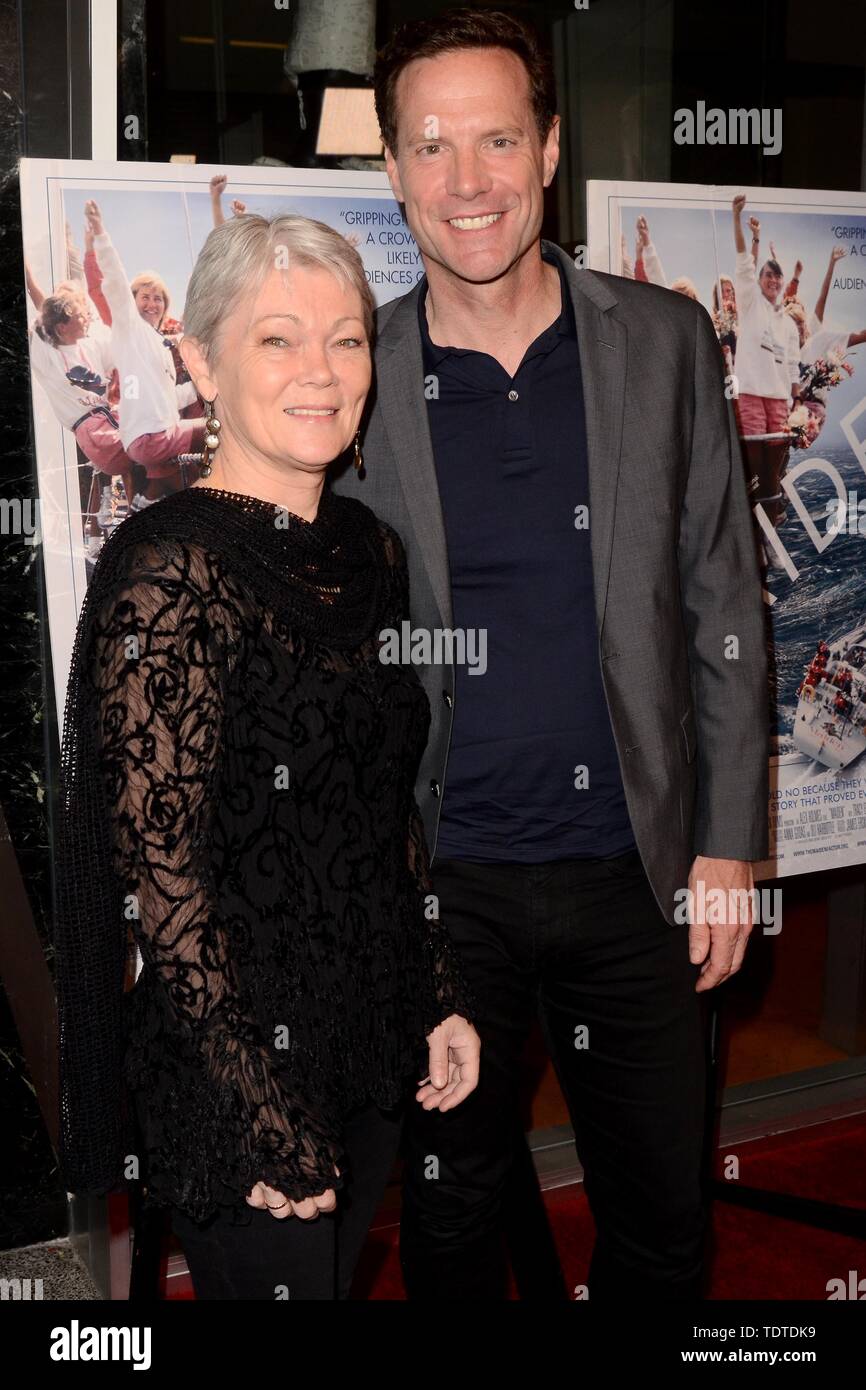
(603, 343)
(400, 393)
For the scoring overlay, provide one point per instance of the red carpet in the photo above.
(750, 1255)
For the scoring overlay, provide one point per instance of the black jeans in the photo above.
(583, 944)
(315, 1259)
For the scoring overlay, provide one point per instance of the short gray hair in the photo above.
(238, 255)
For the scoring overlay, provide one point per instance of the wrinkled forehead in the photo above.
(305, 295)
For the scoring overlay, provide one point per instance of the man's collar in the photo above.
(591, 293)
(564, 324)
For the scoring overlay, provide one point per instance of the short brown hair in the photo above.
(453, 31)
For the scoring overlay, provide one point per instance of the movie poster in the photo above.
(88, 295)
(783, 274)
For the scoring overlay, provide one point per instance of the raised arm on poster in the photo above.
(141, 227)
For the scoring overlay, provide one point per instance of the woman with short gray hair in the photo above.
(240, 765)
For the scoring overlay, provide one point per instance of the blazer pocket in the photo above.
(687, 724)
(640, 445)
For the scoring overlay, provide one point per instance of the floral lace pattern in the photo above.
(268, 850)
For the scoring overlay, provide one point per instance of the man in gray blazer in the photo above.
(556, 450)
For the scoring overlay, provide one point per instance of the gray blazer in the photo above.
(678, 601)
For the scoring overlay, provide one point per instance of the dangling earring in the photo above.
(211, 439)
(359, 458)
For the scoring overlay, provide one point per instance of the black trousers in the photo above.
(295, 1259)
(584, 945)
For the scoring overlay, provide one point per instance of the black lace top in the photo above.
(237, 791)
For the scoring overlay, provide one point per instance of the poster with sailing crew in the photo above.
(783, 274)
(108, 251)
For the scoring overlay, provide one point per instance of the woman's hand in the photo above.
(264, 1196)
(455, 1052)
(94, 217)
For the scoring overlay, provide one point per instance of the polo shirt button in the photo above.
(446, 696)
(434, 787)
(512, 395)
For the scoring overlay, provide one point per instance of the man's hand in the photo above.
(455, 1051)
(643, 231)
(720, 946)
(737, 205)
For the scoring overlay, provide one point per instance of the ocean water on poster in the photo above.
(826, 599)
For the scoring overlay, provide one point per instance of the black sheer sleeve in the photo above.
(451, 991)
(160, 660)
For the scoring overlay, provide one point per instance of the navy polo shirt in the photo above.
(511, 461)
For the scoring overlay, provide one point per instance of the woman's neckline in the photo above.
(271, 507)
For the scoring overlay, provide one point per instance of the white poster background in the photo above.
(158, 216)
(815, 587)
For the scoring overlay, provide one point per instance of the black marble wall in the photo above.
(132, 79)
(32, 1196)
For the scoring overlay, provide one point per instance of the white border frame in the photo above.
(103, 79)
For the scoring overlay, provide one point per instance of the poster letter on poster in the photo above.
(789, 307)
